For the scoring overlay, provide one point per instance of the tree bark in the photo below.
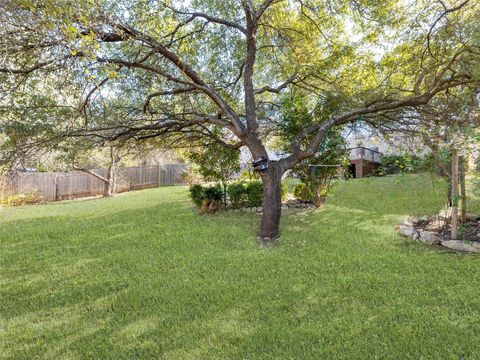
(463, 190)
(454, 223)
(224, 187)
(109, 184)
(272, 204)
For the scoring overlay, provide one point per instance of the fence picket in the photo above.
(53, 186)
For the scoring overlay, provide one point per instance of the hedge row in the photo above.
(240, 194)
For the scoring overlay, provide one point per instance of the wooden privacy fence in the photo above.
(54, 186)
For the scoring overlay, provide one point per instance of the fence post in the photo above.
(55, 188)
(17, 183)
(159, 175)
(454, 218)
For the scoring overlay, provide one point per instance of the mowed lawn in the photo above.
(143, 276)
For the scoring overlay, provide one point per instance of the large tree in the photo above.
(218, 69)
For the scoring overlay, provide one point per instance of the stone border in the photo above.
(285, 206)
(407, 228)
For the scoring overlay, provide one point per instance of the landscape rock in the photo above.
(409, 231)
(429, 237)
(411, 221)
(259, 209)
(292, 202)
(460, 245)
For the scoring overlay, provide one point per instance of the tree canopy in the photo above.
(220, 69)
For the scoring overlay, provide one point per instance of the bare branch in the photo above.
(277, 89)
(210, 18)
(93, 173)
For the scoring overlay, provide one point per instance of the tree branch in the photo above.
(94, 174)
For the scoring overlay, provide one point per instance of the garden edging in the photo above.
(409, 228)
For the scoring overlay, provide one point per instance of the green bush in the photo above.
(237, 192)
(303, 193)
(197, 194)
(213, 193)
(255, 193)
(436, 165)
(394, 164)
(213, 198)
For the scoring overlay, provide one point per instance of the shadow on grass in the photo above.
(161, 280)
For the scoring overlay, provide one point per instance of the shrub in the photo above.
(303, 193)
(213, 193)
(255, 193)
(20, 199)
(215, 163)
(197, 194)
(237, 192)
(394, 164)
(213, 198)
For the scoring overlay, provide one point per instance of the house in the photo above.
(364, 161)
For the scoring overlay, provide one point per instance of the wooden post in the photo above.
(463, 191)
(55, 188)
(454, 194)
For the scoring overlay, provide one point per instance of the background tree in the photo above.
(83, 159)
(315, 173)
(448, 127)
(217, 69)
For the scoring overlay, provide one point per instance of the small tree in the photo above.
(317, 173)
(85, 156)
(448, 126)
(331, 155)
(110, 180)
(215, 162)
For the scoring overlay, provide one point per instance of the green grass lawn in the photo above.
(144, 276)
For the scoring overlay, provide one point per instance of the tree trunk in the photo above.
(454, 194)
(109, 185)
(110, 181)
(463, 190)
(272, 204)
(224, 186)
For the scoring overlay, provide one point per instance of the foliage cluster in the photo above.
(331, 154)
(408, 163)
(207, 198)
(20, 199)
(214, 162)
(303, 192)
(240, 194)
(395, 164)
(249, 193)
